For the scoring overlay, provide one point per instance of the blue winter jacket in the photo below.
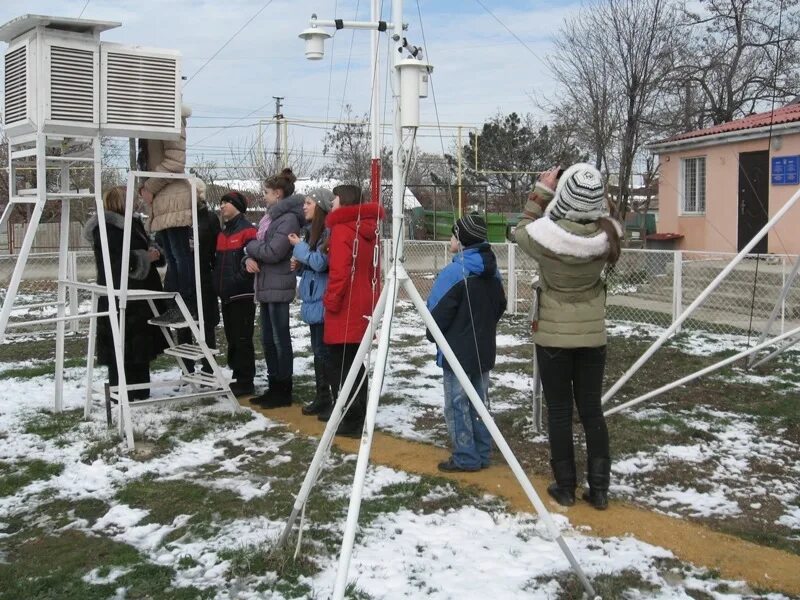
(466, 301)
(313, 279)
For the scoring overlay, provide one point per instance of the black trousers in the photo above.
(574, 376)
(134, 373)
(342, 356)
(238, 320)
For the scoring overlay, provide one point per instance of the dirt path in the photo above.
(734, 558)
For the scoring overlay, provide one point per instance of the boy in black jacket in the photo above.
(466, 301)
(234, 286)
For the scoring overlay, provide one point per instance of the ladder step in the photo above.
(65, 319)
(68, 195)
(183, 324)
(202, 379)
(70, 159)
(16, 155)
(203, 394)
(22, 200)
(190, 351)
(28, 192)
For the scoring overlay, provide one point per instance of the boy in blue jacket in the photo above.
(234, 285)
(467, 301)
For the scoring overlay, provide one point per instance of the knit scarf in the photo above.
(263, 225)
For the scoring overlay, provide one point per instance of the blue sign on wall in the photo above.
(786, 170)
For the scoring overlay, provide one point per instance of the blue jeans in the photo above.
(175, 241)
(276, 340)
(469, 437)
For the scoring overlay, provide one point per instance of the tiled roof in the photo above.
(786, 114)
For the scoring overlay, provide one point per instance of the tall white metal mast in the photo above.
(407, 77)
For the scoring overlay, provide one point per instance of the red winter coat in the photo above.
(348, 303)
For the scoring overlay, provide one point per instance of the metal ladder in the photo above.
(73, 151)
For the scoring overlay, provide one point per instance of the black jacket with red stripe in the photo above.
(231, 280)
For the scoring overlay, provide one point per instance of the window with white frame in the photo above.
(693, 185)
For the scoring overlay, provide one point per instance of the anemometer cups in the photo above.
(315, 42)
(413, 86)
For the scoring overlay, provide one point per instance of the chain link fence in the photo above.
(653, 286)
(648, 287)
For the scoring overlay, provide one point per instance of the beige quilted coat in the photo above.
(172, 199)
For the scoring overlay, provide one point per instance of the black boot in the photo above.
(278, 395)
(267, 393)
(322, 398)
(563, 490)
(599, 476)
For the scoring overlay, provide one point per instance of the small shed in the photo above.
(720, 185)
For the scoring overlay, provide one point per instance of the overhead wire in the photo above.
(84, 8)
(228, 41)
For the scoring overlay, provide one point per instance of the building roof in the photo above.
(756, 125)
(16, 27)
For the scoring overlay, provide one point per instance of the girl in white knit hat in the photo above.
(567, 229)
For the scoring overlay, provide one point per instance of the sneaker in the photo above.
(239, 388)
(449, 466)
(172, 316)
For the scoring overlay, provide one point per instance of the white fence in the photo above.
(646, 286)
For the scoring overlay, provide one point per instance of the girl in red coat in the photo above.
(354, 284)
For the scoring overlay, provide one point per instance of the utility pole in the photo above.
(278, 117)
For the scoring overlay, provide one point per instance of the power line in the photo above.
(514, 35)
(84, 8)
(230, 39)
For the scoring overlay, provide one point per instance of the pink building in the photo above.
(719, 186)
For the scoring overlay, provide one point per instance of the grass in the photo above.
(49, 425)
(17, 475)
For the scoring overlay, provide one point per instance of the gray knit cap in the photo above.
(470, 230)
(580, 195)
(323, 197)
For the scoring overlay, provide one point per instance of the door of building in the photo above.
(753, 198)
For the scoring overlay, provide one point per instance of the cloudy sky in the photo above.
(480, 67)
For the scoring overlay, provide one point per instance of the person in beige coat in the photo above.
(170, 202)
(567, 229)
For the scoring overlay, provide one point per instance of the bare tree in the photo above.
(347, 148)
(742, 55)
(583, 67)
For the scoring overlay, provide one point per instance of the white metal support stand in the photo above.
(396, 277)
(19, 149)
(685, 315)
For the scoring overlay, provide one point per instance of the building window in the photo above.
(693, 175)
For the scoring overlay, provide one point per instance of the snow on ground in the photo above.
(730, 460)
(467, 552)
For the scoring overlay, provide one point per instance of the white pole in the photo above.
(677, 266)
(789, 343)
(398, 158)
(330, 429)
(87, 409)
(701, 298)
(74, 307)
(362, 463)
(787, 287)
(512, 277)
(125, 424)
(700, 373)
(502, 445)
(196, 255)
(61, 302)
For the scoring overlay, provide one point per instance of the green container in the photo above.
(496, 227)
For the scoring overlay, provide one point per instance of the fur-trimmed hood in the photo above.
(587, 241)
(365, 214)
(112, 218)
